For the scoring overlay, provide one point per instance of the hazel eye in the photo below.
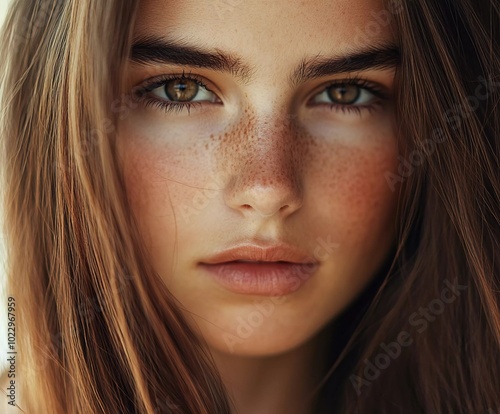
(183, 90)
(345, 94)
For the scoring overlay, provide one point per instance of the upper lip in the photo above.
(279, 252)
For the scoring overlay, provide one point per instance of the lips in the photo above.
(257, 253)
(269, 271)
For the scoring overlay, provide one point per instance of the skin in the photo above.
(202, 182)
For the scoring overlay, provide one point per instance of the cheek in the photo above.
(161, 182)
(349, 189)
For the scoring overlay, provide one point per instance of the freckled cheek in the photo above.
(159, 179)
(353, 193)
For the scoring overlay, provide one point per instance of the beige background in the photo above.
(3, 7)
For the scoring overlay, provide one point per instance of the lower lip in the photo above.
(261, 278)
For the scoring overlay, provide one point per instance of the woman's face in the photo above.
(274, 149)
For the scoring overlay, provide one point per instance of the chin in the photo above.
(252, 336)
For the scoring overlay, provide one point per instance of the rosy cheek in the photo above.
(158, 180)
(351, 191)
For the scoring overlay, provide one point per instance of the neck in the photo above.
(274, 384)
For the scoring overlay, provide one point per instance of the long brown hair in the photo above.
(430, 340)
(98, 330)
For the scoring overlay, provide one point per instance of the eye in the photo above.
(345, 94)
(183, 89)
(176, 93)
(354, 95)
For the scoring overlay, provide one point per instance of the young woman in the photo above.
(252, 207)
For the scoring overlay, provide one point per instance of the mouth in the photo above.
(260, 278)
(248, 275)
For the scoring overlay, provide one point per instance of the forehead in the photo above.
(269, 29)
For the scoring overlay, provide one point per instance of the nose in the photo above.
(265, 178)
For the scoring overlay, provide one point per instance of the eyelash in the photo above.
(171, 107)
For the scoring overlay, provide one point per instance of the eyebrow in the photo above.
(157, 50)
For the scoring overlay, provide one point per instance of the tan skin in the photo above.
(256, 146)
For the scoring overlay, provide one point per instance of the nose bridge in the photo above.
(265, 174)
(269, 149)
(268, 140)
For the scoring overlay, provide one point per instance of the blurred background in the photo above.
(3, 302)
